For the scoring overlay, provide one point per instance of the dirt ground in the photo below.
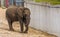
(4, 29)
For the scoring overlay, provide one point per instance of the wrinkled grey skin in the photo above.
(20, 14)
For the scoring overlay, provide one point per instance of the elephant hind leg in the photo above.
(10, 24)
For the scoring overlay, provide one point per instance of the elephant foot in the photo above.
(25, 32)
(21, 32)
(11, 29)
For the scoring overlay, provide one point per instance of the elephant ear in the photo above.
(27, 11)
(20, 11)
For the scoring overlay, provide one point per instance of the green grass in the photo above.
(39, 0)
(53, 2)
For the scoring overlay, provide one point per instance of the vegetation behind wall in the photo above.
(53, 2)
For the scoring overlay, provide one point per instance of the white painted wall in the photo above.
(45, 18)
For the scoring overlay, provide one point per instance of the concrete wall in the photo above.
(45, 18)
(2, 2)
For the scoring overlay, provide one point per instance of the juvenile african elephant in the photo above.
(20, 14)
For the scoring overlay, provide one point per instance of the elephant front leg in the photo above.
(26, 30)
(21, 26)
(27, 24)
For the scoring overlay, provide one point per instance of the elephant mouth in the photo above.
(24, 15)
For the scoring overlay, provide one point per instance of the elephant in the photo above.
(20, 14)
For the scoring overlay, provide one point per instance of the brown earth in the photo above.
(4, 30)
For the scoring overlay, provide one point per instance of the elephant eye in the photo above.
(21, 9)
